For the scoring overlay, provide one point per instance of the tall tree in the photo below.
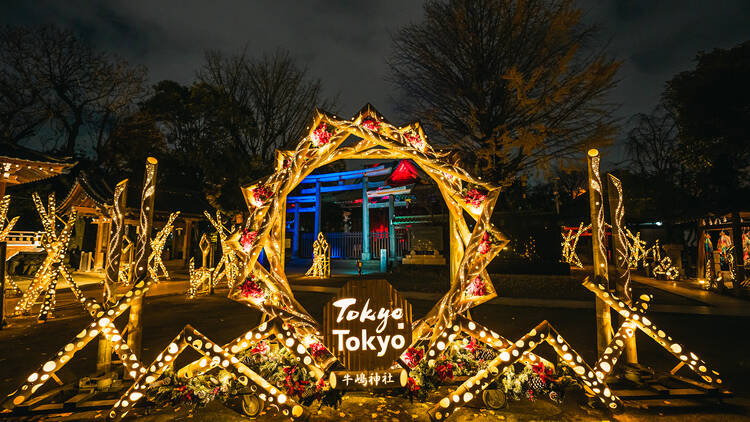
(652, 143)
(713, 116)
(513, 82)
(49, 75)
(273, 91)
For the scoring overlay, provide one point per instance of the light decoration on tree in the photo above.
(200, 279)
(636, 249)
(321, 266)
(570, 242)
(55, 245)
(228, 266)
(155, 262)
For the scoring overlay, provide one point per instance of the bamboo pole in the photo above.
(596, 206)
(143, 250)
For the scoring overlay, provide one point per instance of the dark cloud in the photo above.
(345, 43)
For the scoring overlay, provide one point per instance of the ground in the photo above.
(710, 325)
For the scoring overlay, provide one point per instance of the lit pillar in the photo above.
(295, 238)
(596, 206)
(142, 251)
(622, 266)
(391, 229)
(318, 209)
(365, 222)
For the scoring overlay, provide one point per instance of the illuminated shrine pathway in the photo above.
(719, 339)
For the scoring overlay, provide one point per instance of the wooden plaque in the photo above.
(367, 325)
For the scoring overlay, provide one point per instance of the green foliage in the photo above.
(282, 369)
(196, 391)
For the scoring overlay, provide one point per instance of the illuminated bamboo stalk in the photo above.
(543, 332)
(189, 337)
(637, 317)
(49, 298)
(599, 243)
(621, 249)
(114, 247)
(143, 249)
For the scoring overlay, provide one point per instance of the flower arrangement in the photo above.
(252, 288)
(370, 123)
(536, 381)
(247, 239)
(474, 198)
(260, 195)
(193, 392)
(462, 357)
(476, 288)
(322, 135)
(317, 350)
(415, 140)
(486, 243)
(282, 369)
(413, 356)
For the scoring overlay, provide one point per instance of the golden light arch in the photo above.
(470, 251)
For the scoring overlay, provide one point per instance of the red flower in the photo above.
(474, 197)
(415, 140)
(473, 345)
(371, 124)
(412, 385)
(321, 384)
(251, 287)
(444, 371)
(293, 387)
(543, 372)
(321, 135)
(484, 245)
(261, 347)
(317, 349)
(413, 356)
(477, 288)
(247, 239)
(261, 195)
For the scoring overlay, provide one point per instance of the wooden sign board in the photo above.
(367, 325)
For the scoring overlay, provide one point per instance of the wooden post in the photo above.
(596, 206)
(143, 249)
(622, 267)
(391, 228)
(365, 222)
(739, 263)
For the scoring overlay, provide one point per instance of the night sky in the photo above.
(345, 43)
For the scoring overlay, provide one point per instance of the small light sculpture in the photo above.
(321, 266)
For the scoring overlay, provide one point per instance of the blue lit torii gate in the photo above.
(311, 195)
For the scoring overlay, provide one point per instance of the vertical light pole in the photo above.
(598, 239)
(622, 266)
(143, 250)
